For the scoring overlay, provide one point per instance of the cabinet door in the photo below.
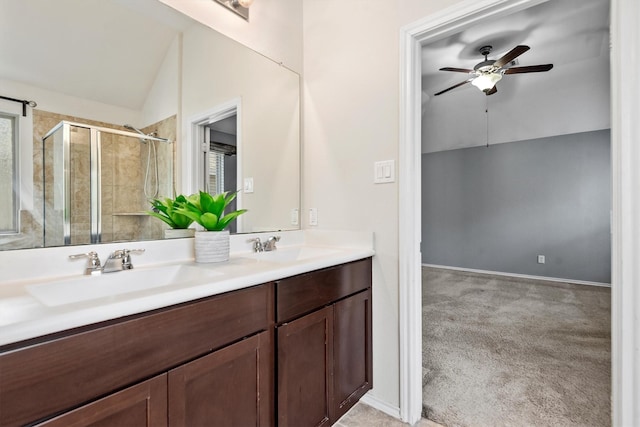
(304, 370)
(352, 366)
(142, 405)
(229, 387)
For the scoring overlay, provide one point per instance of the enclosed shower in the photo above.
(97, 182)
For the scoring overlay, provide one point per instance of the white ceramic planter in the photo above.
(178, 233)
(212, 246)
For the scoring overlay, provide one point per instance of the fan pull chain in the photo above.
(486, 110)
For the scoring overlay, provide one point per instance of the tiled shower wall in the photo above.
(124, 163)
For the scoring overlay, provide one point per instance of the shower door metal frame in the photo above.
(95, 162)
(95, 186)
(66, 183)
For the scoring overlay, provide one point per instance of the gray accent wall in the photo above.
(497, 208)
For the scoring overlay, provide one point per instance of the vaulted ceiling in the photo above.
(573, 35)
(103, 50)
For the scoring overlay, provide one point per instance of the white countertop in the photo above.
(23, 316)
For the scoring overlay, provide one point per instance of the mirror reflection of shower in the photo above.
(150, 185)
(97, 182)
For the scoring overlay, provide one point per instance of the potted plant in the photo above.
(212, 244)
(167, 210)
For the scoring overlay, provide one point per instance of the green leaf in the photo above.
(225, 220)
(195, 216)
(229, 197)
(206, 202)
(180, 220)
(209, 221)
(203, 208)
(167, 211)
(194, 201)
(162, 217)
(217, 205)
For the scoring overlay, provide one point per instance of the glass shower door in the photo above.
(67, 185)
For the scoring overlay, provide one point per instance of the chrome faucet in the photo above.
(266, 246)
(118, 260)
(257, 244)
(93, 263)
(270, 244)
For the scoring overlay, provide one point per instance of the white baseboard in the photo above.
(381, 405)
(522, 276)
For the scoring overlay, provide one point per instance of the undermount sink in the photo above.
(293, 254)
(85, 288)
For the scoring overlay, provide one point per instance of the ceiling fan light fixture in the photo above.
(485, 82)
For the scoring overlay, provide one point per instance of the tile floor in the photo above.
(363, 415)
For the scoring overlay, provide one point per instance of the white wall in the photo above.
(351, 96)
(526, 106)
(274, 29)
(163, 99)
(268, 121)
(70, 105)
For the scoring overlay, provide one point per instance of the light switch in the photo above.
(313, 216)
(384, 172)
(294, 216)
(248, 185)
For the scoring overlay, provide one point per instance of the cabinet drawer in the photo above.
(45, 378)
(302, 294)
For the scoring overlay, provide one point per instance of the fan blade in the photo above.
(529, 69)
(457, 70)
(452, 87)
(511, 55)
(492, 91)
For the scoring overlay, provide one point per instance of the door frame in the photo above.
(192, 152)
(625, 157)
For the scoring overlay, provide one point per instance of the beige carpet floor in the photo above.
(499, 351)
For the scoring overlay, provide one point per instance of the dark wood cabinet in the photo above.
(229, 387)
(324, 357)
(305, 366)
(60, 373)
(296, 352)
(352, 352)
(142, 405)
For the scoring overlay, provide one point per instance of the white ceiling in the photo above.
(103, 50)
(558, 31)
(573, 35)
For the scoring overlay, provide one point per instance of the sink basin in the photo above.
(85, 288)
(283, 255)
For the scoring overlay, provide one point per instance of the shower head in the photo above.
(135, 129)
(153, 134)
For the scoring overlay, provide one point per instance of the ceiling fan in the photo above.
(487, 73)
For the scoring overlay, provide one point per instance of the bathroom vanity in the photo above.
(291, 351)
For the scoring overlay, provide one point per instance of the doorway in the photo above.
(215, 141)
(221, 158)
(449, 22)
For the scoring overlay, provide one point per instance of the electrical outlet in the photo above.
(294, 216)
(313, 216)
(541, 259)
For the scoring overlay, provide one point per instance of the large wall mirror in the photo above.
(136, 101)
